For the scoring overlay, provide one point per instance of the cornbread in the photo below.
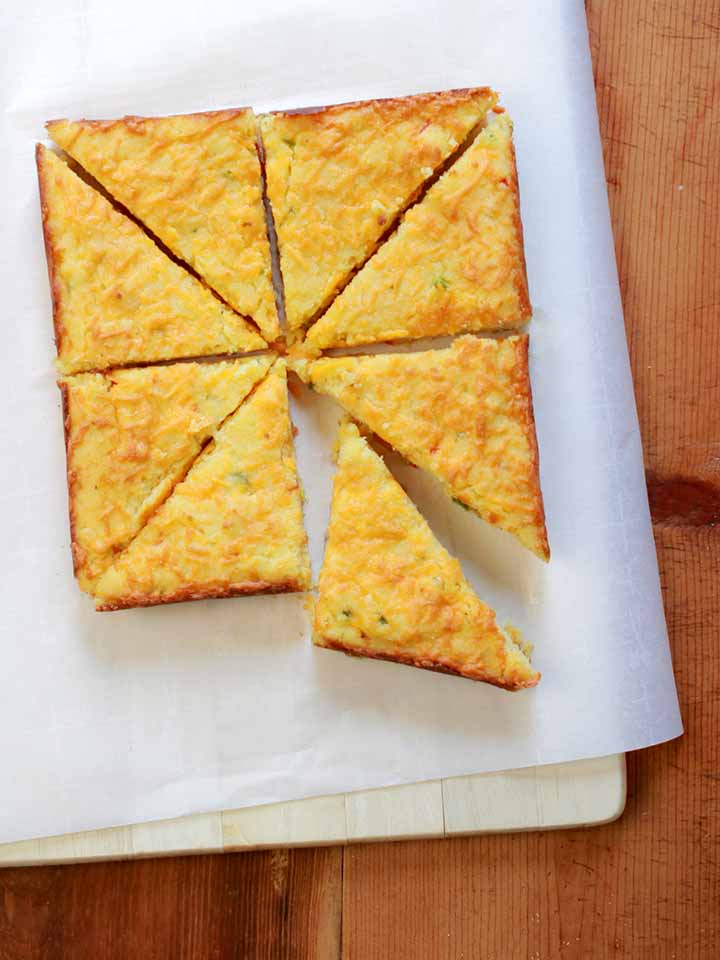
(464, 414)
(338, 177)
(455, 263)
(117, 298)
(195, 182)
(130, 436)
(233, 526)
(389, 590)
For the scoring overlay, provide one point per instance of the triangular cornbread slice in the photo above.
(117, 298)
(233, 526)
(195, 182)
(130, 436)
(464, 414)
(337, 178)
(455, 263)
(389, 590)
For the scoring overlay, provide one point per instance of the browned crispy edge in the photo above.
(521, 281)
(439, 667)
(199, 592)
(71, 478)
(133, 121)
(414, 98)
(522, 377)
(50, 254)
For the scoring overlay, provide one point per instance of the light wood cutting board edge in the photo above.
(562, 795)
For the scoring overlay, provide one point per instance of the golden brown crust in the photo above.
(406, 105)
(408, 601)
(133, 121)
(118, 298)
(454, 264)
(50, 254)
(132, 436)
(71, 478)
(463, 413)
(340, 177)
(444, 666)
(521, 281)
(202, 592)
(215, 180)
(524, 397)
(232, 526)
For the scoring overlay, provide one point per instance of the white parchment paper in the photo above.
(108, 719)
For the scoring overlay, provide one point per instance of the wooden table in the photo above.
(646, 886)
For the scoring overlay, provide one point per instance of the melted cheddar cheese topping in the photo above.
(117, 297)
(232, 526)
(388, 589)
(464, 414)
(131, 435)
(338, 177)
(455, 263)
(195, 182)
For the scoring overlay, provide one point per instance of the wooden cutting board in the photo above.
(574, 794)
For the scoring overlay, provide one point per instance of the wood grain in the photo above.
(657, 77)
(646, 886)
(263, 905)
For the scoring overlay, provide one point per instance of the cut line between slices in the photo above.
(95, 184)
(277, 277)
(182, 474)
(415, 198)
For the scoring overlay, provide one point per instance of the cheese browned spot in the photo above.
(131, 435)
(233, 526)
(337, 178)
(463, 414)
(455, 264)
(117, 298)
(389, 590)
(195, 182)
